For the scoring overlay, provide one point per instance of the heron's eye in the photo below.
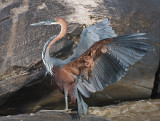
(54, 20)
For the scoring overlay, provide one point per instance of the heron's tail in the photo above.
(82, 106)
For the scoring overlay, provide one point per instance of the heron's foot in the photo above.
(67, 110)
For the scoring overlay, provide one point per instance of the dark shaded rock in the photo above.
(156, 88)
(51, 116)
(21, 46)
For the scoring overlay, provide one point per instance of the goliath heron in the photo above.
(100, 59)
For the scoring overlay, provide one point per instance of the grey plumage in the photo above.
(82, 87)
(90, 35)
(120, 55)
(48, 60)
(78, 91)
(112, 65)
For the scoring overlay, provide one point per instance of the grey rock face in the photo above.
(51, 116)
(21, 45)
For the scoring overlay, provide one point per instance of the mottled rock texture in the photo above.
(51, 116)
(21, 45)
(146, 110)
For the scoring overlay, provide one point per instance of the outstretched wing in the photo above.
(92, 34)
(107, 61)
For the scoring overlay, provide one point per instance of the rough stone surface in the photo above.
(156, 88)
(21, 46)
(146, 110)
(51, 116)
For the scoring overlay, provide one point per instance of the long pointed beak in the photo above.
(48, 22)
(39, 23)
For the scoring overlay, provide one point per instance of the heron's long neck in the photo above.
(60, 36)
(47, 60)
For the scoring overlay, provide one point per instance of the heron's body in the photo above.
(100, 59)
(64, 80)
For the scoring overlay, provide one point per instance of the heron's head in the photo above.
(57, 20)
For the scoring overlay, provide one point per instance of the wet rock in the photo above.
(146, 110)
(21, 45)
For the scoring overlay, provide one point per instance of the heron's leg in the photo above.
(66, 104)
(66, 100)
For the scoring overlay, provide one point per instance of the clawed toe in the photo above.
(67, 110)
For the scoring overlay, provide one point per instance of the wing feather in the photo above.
(121, 53)
(109, 67)
(92, 34)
